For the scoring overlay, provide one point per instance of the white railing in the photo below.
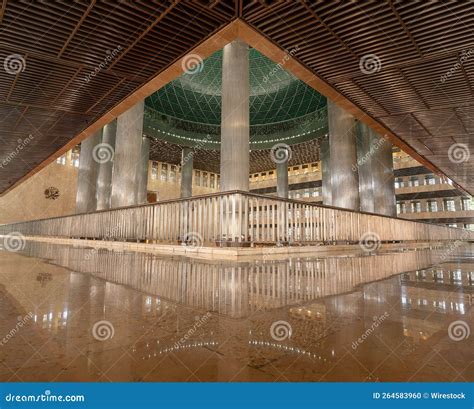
(236, 218)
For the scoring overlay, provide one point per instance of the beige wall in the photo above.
(28, 201)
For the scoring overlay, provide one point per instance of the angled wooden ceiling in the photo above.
(61, 43)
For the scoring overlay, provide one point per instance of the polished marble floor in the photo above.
(78, 314)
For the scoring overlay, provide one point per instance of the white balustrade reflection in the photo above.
(235, 289)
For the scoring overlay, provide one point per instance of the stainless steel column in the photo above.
(325, 171)
(235, 128)
(343, 156)
(282, 178)
(104, 178)
(142, 184)
(187, 156)
(86, 200)
(383, 176)
(127, 160)
(364, 166)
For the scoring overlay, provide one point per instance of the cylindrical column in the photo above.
(383, 176)
(325, 171)
(127, 160)
(235, 128)
(104, 178)
(142, 183)
(282, 178)
(364, 167)
(87, 176)
(187, 156)
(343, 156)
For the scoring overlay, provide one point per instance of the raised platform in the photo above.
(239, 254)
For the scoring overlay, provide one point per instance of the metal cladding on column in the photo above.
(187, 157)
(384, 178)
(127, 159)
(142, 176)
(104, 178)
(282, 178)
(325, 171)
(364, 166)
(235, 129)
(342, 157)
(87, 177)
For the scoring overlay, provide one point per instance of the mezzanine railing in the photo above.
(236, 218)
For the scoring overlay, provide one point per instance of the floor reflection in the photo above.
(73, 314)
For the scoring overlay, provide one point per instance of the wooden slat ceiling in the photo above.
(416, 43)
(63, 42)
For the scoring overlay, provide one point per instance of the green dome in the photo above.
(275, 94)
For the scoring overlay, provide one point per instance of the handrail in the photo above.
(236, 218)
(231, 192)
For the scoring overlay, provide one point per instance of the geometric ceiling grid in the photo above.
(275, 94)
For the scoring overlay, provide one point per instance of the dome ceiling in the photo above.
(275, 94)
